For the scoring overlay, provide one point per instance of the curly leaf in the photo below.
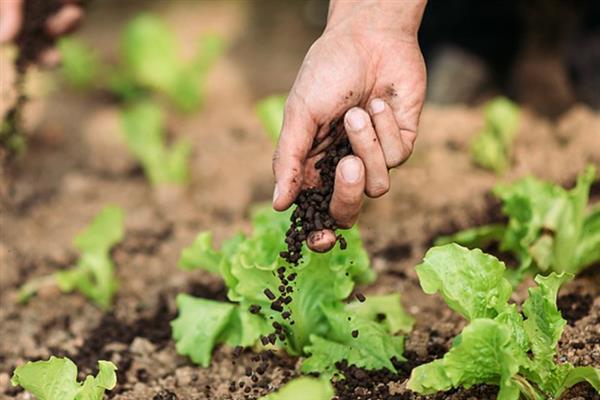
(471, 282)
(544, 323)
(372, 348)
(483, 353)
(201, 254)
(202, 324)
(582, 374)
(386, 309)
(56, 379)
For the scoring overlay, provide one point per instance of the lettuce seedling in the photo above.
(56, 379)
(548, 227)
(270, 113)
(491, 147)
(303, 388)
(94, 274)
(323, 325)
(143, 125)
(151, 59)
(499, 346)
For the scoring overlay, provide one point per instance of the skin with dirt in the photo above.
(68, 174)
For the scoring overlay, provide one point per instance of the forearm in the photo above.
(402, 18)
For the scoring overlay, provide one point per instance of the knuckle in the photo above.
(395, 160)
(378, 189)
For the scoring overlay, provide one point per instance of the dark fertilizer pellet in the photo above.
(361, 297)
(354, 333)
(254, 309)
(269, 294)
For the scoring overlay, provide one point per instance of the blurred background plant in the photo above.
(149, 77)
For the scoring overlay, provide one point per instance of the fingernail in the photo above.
(377, 106)
(356, 119)
(275, 193)
(350, 170)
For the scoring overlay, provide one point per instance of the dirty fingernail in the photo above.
(356, 119)
(377, 106)
(321, 241)
(350, 170)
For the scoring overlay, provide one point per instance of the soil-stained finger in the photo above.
(348, 191)
(321, 241)
(388, 132)
(65, 20)
(366, 145)
(289, 160)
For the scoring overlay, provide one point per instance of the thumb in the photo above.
(295, 142)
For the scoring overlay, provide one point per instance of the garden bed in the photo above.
(67, 176)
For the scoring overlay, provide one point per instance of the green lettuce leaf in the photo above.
(160, 67)
(202, 324)
(548, 227)
(386, 309)
(471, 282)
(270, 113)
(544, 323)
(201, 254)
(588, 249)
(373, 348)
(94, 274)
(581, 374)
(483, 353)
(491, 147)
(143, 125)
(303, 388)
(56, 379)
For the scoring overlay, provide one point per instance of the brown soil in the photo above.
(68, 175)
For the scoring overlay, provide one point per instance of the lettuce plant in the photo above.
(56, 379)
(303, 388)
(149, 62)
(323, 325)
(94, 273)
(270, 112)
(500, 345)
(143, 125)
(548, 227)
(491, 147)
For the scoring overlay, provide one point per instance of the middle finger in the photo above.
(367, 147)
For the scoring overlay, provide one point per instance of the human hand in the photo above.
(63, 21)
(368, 65)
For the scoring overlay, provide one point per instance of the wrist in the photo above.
(399, 18)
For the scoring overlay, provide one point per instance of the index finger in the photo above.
(295, 141)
